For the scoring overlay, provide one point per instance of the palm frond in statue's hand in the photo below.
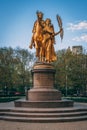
(60, 26)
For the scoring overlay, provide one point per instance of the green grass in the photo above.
(77, 99)
(8, 99)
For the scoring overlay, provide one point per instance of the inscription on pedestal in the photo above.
(43, 80)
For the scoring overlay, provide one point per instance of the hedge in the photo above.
(8, 99)
(77, 99)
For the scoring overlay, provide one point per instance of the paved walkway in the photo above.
(7, 125)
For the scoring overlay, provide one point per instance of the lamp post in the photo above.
(66, 80)
(26, 92)
(66, 85)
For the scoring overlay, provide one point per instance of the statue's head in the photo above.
(39, 14)
(48, 21)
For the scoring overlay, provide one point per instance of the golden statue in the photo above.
(43, 38)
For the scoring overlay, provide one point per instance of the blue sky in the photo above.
(18, 16)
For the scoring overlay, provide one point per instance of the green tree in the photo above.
(15, 66)
(71, 74)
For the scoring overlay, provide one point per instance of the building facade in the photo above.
(77, 49)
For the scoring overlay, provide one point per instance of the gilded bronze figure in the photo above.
(43, 38)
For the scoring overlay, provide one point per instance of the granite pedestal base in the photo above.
(43, 94)
(44, 104)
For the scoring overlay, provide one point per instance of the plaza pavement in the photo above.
(8, 125)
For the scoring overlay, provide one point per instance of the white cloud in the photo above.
(82, 38)
(79, 26)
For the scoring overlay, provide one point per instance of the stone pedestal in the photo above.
(43, 94)
(43, 83)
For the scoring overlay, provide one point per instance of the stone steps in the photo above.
(35, 115)
(43, 115)
(43, 110)
(43, 120)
